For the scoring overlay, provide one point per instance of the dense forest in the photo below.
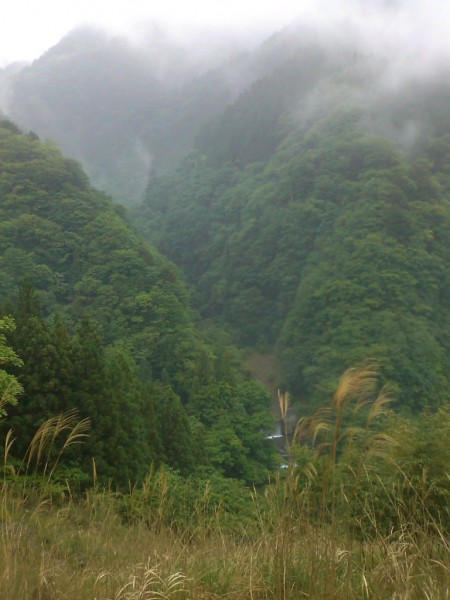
(310, 227)
(103, 325)
(334, 251)
(285, 206)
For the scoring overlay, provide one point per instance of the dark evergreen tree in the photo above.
(91, 395)
(176, 436)
(46, 392)
(133, 443)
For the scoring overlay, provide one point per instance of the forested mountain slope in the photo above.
(122, 108)
(127, 108)
(315, 219)
(309, 223)
(104, 325)
(311, 216)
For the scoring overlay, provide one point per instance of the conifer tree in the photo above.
(175, 431)
(133, 440)
(90, 394)
(39, 376)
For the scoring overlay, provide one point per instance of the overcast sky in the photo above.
(29, 27)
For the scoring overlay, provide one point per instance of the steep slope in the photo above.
(127, 108)
(306, 141)
(120, 107)
(333, 247)
(110, 330)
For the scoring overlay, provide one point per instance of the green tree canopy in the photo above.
(10, 388)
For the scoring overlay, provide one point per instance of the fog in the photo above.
(130, 91)
(410, 27)
(28, 29)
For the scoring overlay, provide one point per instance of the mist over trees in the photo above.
(313, 217)
(300, 185)
(122, 108)
(129, 107)
(280, 233)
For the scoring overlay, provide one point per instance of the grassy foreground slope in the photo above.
(364, 514)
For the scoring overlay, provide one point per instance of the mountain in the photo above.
(104, 325)
(310, 211)
(313, 218)
(123, 108)
(128, 108)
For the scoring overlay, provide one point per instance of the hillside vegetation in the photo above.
(305, 234)
(103, 325)
(307, 228)
(363, 514)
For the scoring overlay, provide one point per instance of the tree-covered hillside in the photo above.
(103, 325)
(122, 108)
(295, 229)
(311, 219)
(126, 109)
(315, 229)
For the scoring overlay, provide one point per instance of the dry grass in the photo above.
(308, 537)
(84, 551)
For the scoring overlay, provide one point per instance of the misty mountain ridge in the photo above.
(127, 108)
(308, 211)
(311, 149)
(111, 102)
